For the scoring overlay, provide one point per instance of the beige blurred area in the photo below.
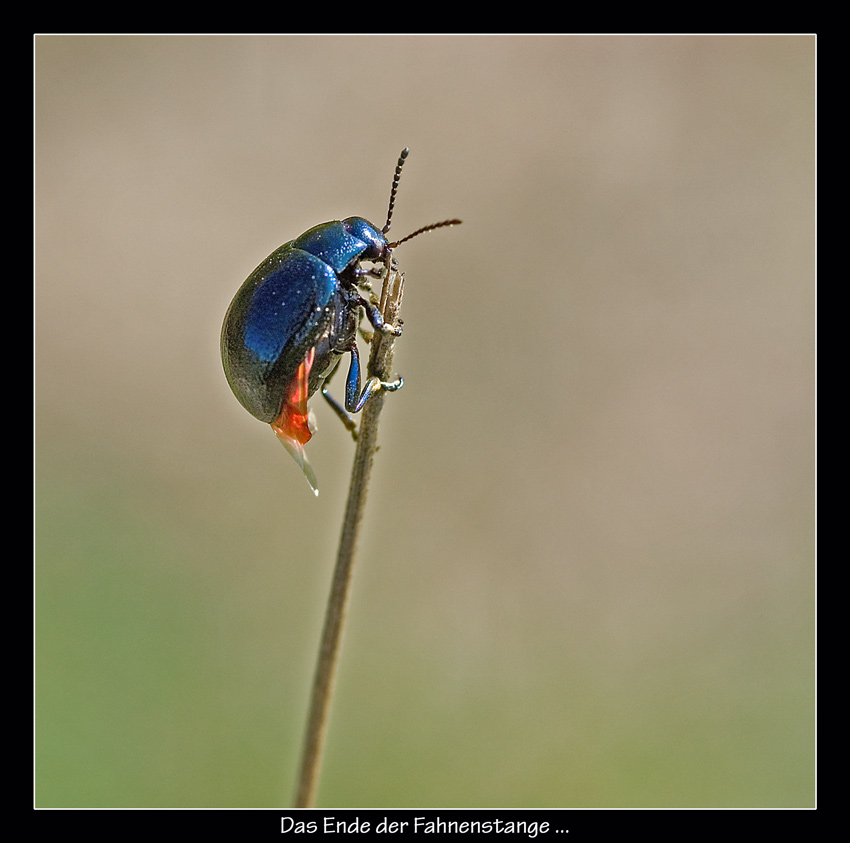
(586, 576)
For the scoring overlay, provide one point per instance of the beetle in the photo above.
(297, 314)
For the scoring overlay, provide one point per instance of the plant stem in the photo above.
(380, 365)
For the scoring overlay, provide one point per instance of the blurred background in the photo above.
(586, 576)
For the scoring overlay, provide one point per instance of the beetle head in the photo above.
(363, 230)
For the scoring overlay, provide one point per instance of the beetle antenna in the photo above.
(404, 153)
(422, 230)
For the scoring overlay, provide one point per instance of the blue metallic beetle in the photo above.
(297, 313)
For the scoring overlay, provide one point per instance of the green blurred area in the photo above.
(587, 571)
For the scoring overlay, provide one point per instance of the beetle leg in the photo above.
(373, 272)
(374, 385)
(352, 382)
(344, 417)
(354, 398)
(377, 319)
